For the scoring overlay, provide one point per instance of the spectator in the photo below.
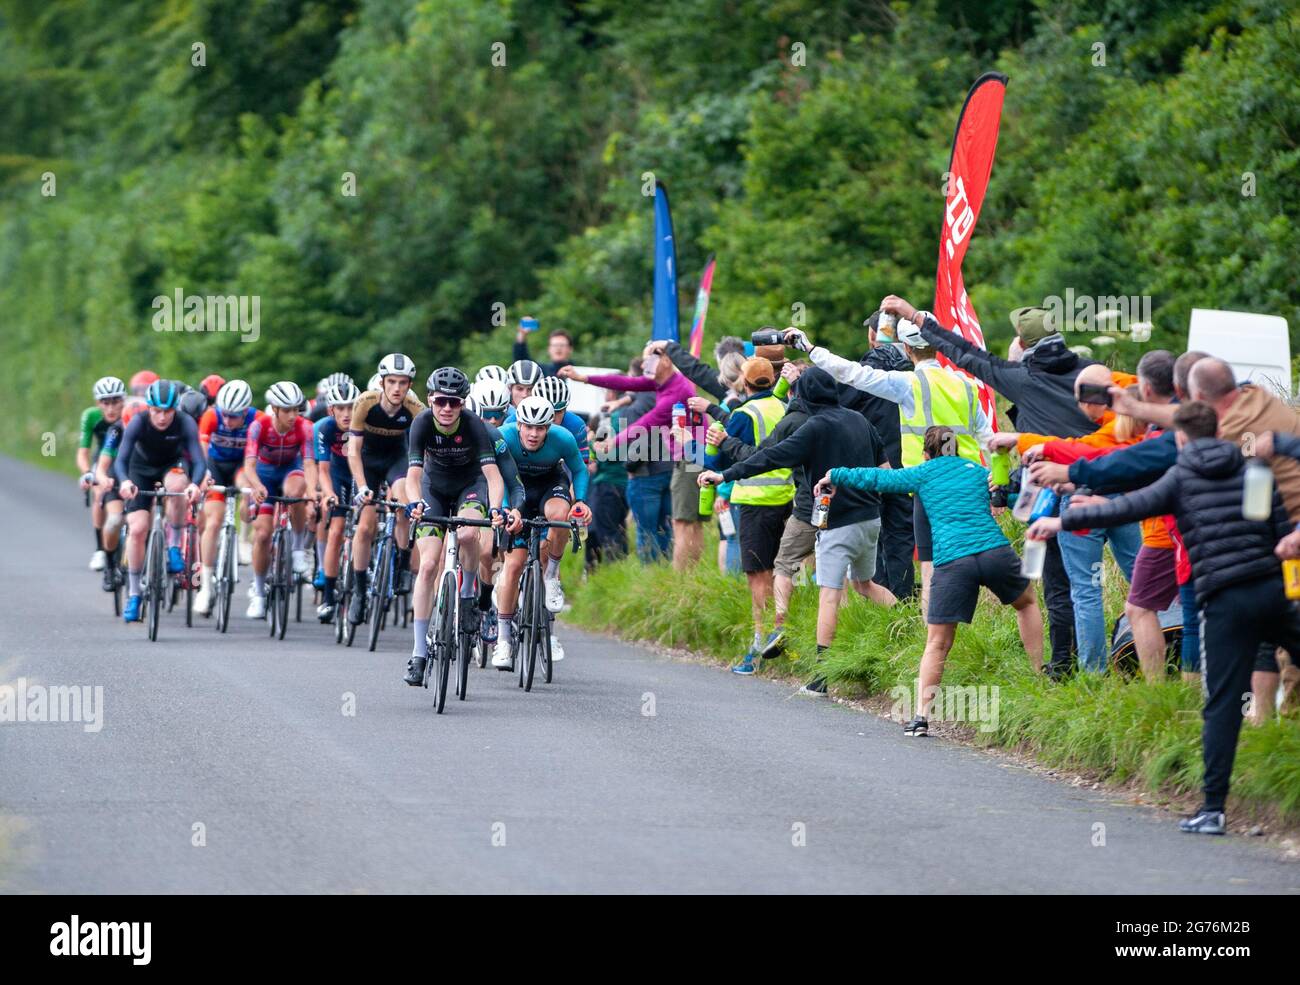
(970, 552)
(1132, 468)
(649, 497)
(798, 536)
(1082, 554)
(1238, 584)
(1245, 412)
(927, 396)
(559, 346)
(763, 501)
(1041, 386)
(608, 539)
(897, 537)
(830, 436)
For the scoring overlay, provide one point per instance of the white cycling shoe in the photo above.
(256, 608)
(501, 655)
(301, 563)
(98, 561)
(554, 594)
(557, 651)
(203, 600)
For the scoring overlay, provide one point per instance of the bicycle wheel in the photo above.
(157, 571)
(545, 650)
(533, 630)
(189, 548)
(118, 578)
(519, 646)
(226, 582)
(379, 591)
(285, 578)
(444, 648)
(272, 587)
(468, 608)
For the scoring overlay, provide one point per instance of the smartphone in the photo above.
(1094, 393)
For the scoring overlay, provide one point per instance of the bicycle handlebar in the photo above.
(571, 525)
(288, 500)
(237, 490)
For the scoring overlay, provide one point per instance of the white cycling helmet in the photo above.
(910, 335)
(396, 364)
(342, 393)
(234, 397)
(375, 382)
(471, 404)
(491, 395)
(556, 390)
(524, 372)
(535, 410)
(109, 388)
(285, 394)
(492, 372)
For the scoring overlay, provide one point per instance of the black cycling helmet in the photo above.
(448, 381)
(194, 403)
(163, 394)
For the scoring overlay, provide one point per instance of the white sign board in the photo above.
(585, 399)
(1256, 346)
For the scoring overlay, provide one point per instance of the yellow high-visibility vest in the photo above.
(775, 488)
(939, 397)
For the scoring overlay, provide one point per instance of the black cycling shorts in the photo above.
(538, 490)
(450, 504)
(379, 472)
(145, 479)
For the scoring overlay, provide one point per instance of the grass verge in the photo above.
(1121, 731)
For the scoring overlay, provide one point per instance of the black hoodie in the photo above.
(1203, 491)
(831, 437)
(1041, 385)
(796, 412)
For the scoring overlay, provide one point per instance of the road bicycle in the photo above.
(383, 569)
(532, 619)
(455, 623)
(281, 579)
(153, 583)
(226, 573)
(186, 580)
(344, 630)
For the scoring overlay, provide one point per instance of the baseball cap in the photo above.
(758, 372)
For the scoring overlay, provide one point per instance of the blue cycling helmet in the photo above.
(163, 394)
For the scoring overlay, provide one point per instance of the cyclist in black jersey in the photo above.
(153, 444)
(377, 447)
(105, 503)
(452, 462)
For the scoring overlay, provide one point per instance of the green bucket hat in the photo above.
(1033, 324)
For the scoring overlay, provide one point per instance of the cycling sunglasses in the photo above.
(447, 401)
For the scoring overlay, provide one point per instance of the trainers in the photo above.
(1204, 823)
(325, 612)
(774, 645)
(98, 560)
(175, 560)
(415, 671)
(746, 665)
(816, 687)
(918, 726)
(131, 611)
(488, 629)
(301, 563)
(357, 610)
(557, 651)
(554, 594)
(501, 656)
(256, 608)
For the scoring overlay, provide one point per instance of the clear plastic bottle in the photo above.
(1257, 491)
(1031, 564)
(1025, 501)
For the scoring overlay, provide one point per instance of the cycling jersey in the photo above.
(146, 451)
(112, 439)
(274, 449)
(572, 423)
(329, 441)
(94, 428)
(225, 444)
(451, 459)
(384, 433)
(544, 464)
(506, 463)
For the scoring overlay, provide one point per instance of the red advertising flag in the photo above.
(973, 147)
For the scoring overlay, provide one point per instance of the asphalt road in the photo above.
(228, 764)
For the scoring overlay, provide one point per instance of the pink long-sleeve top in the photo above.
(677, 389)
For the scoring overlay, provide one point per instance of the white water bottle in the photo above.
(727, 524)
(1031, 565)
(1025, 500)
(1257, 491)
